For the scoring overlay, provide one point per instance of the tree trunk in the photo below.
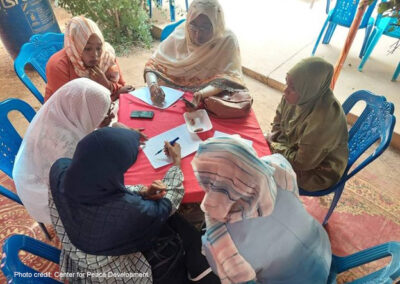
(349, 40)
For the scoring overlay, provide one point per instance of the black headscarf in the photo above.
(99, 215)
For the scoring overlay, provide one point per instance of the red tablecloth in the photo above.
(164, 119)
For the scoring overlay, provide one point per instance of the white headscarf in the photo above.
(182, 63)
(75, 110)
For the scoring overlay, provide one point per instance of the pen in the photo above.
(172, 142)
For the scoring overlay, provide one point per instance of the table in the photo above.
(164, 119)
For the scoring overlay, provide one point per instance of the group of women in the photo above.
(69, 169)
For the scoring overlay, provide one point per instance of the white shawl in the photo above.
(75, 110)
(182, 63)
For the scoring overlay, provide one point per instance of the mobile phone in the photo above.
(188, 103)
(142, 114)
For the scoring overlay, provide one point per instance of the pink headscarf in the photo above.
(77, 34)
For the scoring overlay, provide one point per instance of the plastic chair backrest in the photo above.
(12, 266)
(375, 122)
(37, 52)
(385, 275)
(345, 11)
(9, 138)
(169, 29)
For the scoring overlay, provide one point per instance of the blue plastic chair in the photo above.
(171, 8)
(343, 14)
(169, 29)
(10, 141)
(383, 26)
(12, 266)
(385, 275)
(37, 52)
(375, 123)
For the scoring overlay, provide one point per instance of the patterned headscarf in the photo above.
(77, 34)
(238, 186)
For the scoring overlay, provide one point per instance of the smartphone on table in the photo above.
(146, 114)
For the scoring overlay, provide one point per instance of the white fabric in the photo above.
(185, 63)
(75, 110)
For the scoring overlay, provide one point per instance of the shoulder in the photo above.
(58, 60)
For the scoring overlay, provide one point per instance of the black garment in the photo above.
(99, 215)
(177, 254)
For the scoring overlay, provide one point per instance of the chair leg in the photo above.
(172, 10)
(396, 73)
(44, 229)
(335, 200)
(329, 33)
(328, 3)
(320, 36)
(368, 30)
(150, 8)
(370, 48)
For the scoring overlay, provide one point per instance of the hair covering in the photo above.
(77, 34)
(238, 186)
(75, 110)
(99, 215)
(315, 127)
(181, 63)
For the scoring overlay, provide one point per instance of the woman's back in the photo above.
(288, 246)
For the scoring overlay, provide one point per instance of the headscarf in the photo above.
(217, 62)
(75, 110)
(317, 121)
(77, 34)
(99, 215)
(238, 186)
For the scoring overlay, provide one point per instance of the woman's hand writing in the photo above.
(174, 152)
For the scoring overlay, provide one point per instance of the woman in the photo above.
(75, 110)
(201, 56)
(310, 128)
(257, 227)
(85, 54)
(103, 218)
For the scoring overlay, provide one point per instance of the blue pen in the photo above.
(170, 142)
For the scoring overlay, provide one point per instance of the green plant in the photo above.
(123, 22)
(391, 8)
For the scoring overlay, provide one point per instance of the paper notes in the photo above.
(171, 96)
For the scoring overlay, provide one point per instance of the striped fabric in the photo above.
(77, 33)
(238, 186)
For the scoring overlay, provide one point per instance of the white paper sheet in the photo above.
(189, 143)
(223, 134)
(171, 96)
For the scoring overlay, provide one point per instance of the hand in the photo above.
(126, 89)
(197, 98)
(143, 137)
(174, 152)
(157, 94)
(272, 136)
(97, 75)
(156, 191)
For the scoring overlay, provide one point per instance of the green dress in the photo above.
(312, 134)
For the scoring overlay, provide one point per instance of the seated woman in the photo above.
(106, 227)
(75, 110)
(85, 54)
(309, 128)
(257, 227)
(201, 56)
